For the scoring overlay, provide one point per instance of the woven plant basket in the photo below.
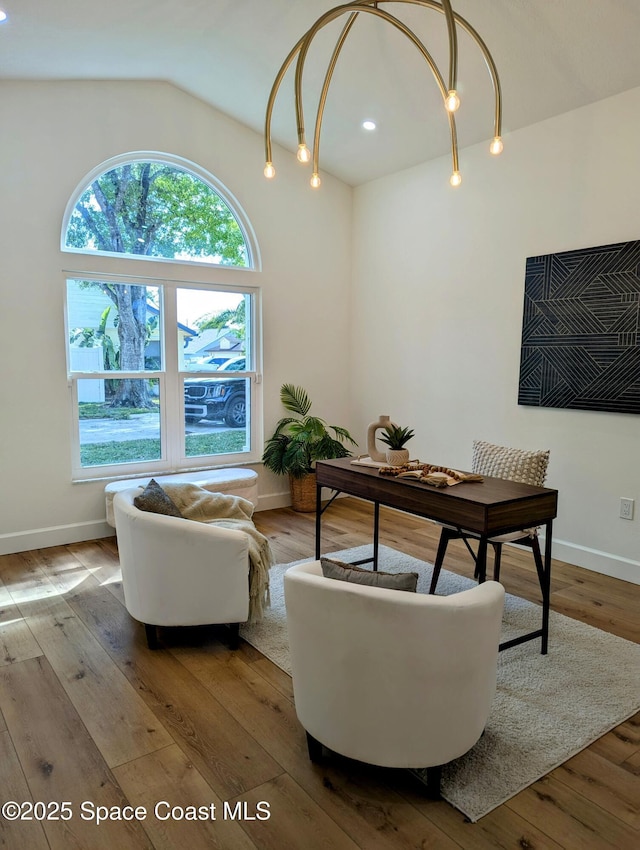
(303, 493)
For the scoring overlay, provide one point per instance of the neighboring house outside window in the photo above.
(154, 330)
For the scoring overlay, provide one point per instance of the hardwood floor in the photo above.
(89, 715)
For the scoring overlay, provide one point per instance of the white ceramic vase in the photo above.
(372, 450)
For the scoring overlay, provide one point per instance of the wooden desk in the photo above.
(494, 506)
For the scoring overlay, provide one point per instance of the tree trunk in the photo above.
(131, 302)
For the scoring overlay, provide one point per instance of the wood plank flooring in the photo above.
(89, 715)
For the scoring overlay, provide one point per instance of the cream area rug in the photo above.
(546, 709)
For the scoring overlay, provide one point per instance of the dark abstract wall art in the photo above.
(580, 330)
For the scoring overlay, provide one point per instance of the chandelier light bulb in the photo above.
(315, 180)
(496, 147)
(304, 154)
(269, 171)
(452, 101)
(455, 179)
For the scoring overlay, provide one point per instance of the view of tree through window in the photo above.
(120, 362)
(151, 209)
(154, 209)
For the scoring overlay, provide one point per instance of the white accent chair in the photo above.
(388, 677)
(179, 572)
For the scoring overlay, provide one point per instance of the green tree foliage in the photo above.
(234, 319)
(150, 209)
(156, 210)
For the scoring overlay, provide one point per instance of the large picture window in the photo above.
(164, 372)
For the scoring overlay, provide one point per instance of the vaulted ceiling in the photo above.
(552, 56)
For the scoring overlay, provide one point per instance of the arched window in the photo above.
(136, 336)
(156, 208)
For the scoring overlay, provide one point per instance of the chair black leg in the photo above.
(152, 636)
(442, 548)
(315, 749)
(497, 555)
(234, 637)
(537, 557)
(434, 776)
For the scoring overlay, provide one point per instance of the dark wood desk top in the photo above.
(493, 506)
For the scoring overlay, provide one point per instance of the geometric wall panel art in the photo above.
(580, 330)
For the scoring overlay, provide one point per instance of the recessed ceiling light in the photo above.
(3, 16)
(368, 125)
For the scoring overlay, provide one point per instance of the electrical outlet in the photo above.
(626, 508)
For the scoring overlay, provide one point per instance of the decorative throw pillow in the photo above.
(525, 467)
(154, 499)
(333, 568)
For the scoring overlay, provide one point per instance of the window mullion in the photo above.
(172, 431)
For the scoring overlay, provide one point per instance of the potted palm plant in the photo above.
(396, 437)
(298, 442)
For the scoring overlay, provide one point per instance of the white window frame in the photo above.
(170, 275)
(172, 423)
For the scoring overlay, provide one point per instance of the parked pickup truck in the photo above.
(218, 399)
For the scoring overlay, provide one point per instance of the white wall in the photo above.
(439, 280)
(54, 134)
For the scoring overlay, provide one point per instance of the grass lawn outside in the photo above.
(131, 451)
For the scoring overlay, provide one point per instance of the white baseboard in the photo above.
(596, 561)
(57, 535)
(274, 500)
(593, 559)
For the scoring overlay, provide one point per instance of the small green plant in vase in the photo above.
(396, 438)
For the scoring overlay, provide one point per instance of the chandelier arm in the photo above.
(330, 16)
(272, 97)
(488, 58)
(454, 142)
(453, 44)
(493, 71)
(325, 88)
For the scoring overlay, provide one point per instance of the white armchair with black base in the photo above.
(389, 677)
(179, 572)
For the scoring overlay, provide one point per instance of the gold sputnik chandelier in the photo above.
(450, 97)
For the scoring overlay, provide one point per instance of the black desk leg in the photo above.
(481, 560)
(546, 587)
(318, 519)
(376, 531)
